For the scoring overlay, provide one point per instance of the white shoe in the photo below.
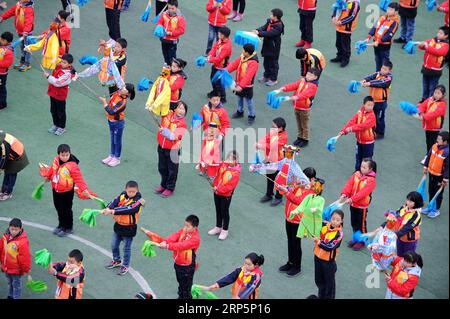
(223, 235)
(107, 160)
(114, 162)
(5, 196)
(424, 159)
(215, 231)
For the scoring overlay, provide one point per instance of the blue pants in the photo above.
(381, 54)
(26, 56)
(429, 83)
(408, 27)
(380, 110)
(213, 34)
(14, 285)
(115, 132)
(249, 101)
(363, 151)
(115, 247)
(8, 183)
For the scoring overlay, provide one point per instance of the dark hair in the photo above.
(63, 148)
(445, 29)
(173, 3)
(180, 62)
(256, 259)
(372, 163)
(8, 36)
(277, 13)
(77, 255)
(184, 104)
(413, 258)
(235, 155)
(416, 198)
(225, 31)
(388, 63)
(338, 212)
(63, 14)
(314, 71)
(249, 48)
(441, 88)
(15, 222)
(213, 93)
(123, 43)
(310, 172)
(280, 122)
(67, 57)
(130, 89)
(193, 220)
(301, 53)
(393, 5)
(133, 184)
(368, 98)
(444, 135)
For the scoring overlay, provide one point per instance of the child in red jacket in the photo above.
(176, 79)
(307, 13)
(214, 112)
(15, 257)
(210, 156)
(404, 277)
(184, 244)
(357, 192)
(58, 89)
(218, 10)
(362, 124)
(6, 60)
(444, 8)
(223, 186)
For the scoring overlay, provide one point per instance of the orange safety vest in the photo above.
(382, 28)
(115, 99)
(405, 217)
(379, 94)
(348, 27)
(409, 3)
(113, 4)
(127, 220)
(436, 163)
(327, 234)
(312, 54)
(16, 147)
(359, 184)
(65, 290)
(242, 281)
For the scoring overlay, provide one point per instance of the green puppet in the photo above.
(310, 211)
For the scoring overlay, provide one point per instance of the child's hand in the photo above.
(348, 130)
(29, 278)
(342, 198)
(444, 182)
(27, 49)
(101, 98)
(315, 239)
(3, 5)
(214, 188)
(163, 245)
(387, 277)
(46, 74)
(213, 287)
(51, 270)
(282, 188)
(425, 170)
(255, 32)
(348, 201)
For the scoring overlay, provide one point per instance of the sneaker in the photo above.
(251, 120)
(312, 297)
(358, 246)
(303, 143)
(238, 17)
(24, 68)
(237, 115)
(144, 295)
(223, 234)
(232, 15)
(286, 267)
(123, 271)
(113, 264)
(69, 231)
(159, 190)
(307, 45)
(425, 211)
(215, 231)
(167, 193)
(276, 202)
(5, 196)
(56, 230)
(336, 60)
(107, 160)
(400, 40)
(52, 129)
(62, 233)
(379, 136)
(263, 80)
(423, 160)
(265, 199)
(114, 162)
(271, 83)
(297, 142)
(294, 271)
(60, 131)
(344, 63)
(18, 66)
(300, 43)
(434, 213)
(350, 243)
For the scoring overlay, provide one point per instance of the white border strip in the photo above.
(136, 275)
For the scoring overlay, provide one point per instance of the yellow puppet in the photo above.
(159, 99)
(50, 48)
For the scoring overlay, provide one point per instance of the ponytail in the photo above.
(413, 258)
(257, 260)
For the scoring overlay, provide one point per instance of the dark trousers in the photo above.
(217, 86)
(270, 185)
(294, 245)
(306, 25)
(325, 272)
(8, 183)
(403, 247)
(167, 168)
(113, 22)
(169, 51)
(359, 219)
(3, 92)
(381, 53)
(271, 67)
(159, 6)
(239, 4)
(65, 3)
(363, 151)
(431, 137)
(63, 203)
(222, 211)
(433, 187)
(185, 278)
(380, 111)
(429, 83)
(58, 110)
(343, 45)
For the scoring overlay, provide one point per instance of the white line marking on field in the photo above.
(136, 275)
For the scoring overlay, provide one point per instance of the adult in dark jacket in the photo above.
(271, 32)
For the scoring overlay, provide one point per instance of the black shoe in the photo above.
(56, 230)
(237, 115)
(400, 40)
(379, 136)
(336, 60)
(303, 143)
(344, 63)
(276, 202)
(297, 142)
(294, 271)
(286, 267)
(265, 199)
(251, 120)
(312, 297)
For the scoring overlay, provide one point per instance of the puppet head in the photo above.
(290, 151)
(165, 72)
(391, 222)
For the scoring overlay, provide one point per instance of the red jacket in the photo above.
(220, 54)
(433, 114)
(15, 254)
(293, 199)
(359, 189)
(64, 176)
(113, 4)
(273, 144)
(227, 179)
(246, 69)
(308, 5)
(362, 124)
(6, 59)
(210, 156)
(434, 56)
(218, 15)
(175, 24)
(177, 128)
(444, 8)
(176, 82)
(403, 280)
(58, 83)
(23, 17)
(304, 93)
(218, 115)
